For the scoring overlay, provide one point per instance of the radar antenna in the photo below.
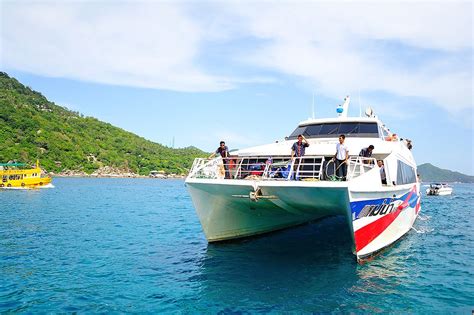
(369, 112)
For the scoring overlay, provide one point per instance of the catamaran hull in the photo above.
(229, 211)
(234, 209)
(381, 221)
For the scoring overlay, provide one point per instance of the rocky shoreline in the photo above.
(111, 172)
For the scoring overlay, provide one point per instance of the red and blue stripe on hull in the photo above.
(377, 223)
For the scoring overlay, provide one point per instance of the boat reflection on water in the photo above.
(387, 277)
(309, 263)
(387, 274)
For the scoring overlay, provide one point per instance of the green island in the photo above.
(67, 142)
(431, 173)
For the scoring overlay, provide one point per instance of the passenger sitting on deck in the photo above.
(257, 169)
(280, 170)
(391, 137)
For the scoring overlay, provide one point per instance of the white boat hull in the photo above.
(381, 221)
(231, 209)
(226, 211)
(439, 192)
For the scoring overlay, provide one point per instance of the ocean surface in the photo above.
(136, 245)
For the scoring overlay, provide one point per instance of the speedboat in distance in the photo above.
(439, 189)
(262, 189)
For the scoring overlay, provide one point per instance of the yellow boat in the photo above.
(16, 175)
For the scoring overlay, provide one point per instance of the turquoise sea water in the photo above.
(136, 245)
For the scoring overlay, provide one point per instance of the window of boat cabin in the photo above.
(405, 173)
(333, 130)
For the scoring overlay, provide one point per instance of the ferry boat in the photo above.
(262, 189)
(439, 189)
(16, 175)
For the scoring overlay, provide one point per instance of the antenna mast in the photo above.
(360, 106)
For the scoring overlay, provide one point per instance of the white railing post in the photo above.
(291, 169)
(297, 173)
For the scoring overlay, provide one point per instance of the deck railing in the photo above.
(307, 168)
(359, 165)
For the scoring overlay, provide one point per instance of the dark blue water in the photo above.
(135, 245)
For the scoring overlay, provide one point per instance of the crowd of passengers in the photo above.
(298, 150)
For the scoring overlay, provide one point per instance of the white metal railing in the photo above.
(359, 165)
(307, 168)
(207, 168)
(255, 167)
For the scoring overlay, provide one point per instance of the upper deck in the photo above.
(368, 126)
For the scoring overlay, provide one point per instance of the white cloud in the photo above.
(421, 49)
(340, 47)
(143, 44)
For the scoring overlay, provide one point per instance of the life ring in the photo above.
(9, 185)
(41, 183)
(2, 185)
(22, 184)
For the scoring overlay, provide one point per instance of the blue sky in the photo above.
(245, 72)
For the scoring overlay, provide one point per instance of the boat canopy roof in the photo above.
(332, 128)
(13, 164)
(312, 121)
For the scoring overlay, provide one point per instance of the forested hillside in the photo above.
(431, 173)
(31, 127)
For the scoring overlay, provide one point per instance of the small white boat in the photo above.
(439, 189)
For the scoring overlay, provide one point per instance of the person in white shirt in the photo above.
(341, 157)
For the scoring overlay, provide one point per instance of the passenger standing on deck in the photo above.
(341, 157)
(299, 147)
(298, 151)
(383, 176)
(223, 150)
(367, 153)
